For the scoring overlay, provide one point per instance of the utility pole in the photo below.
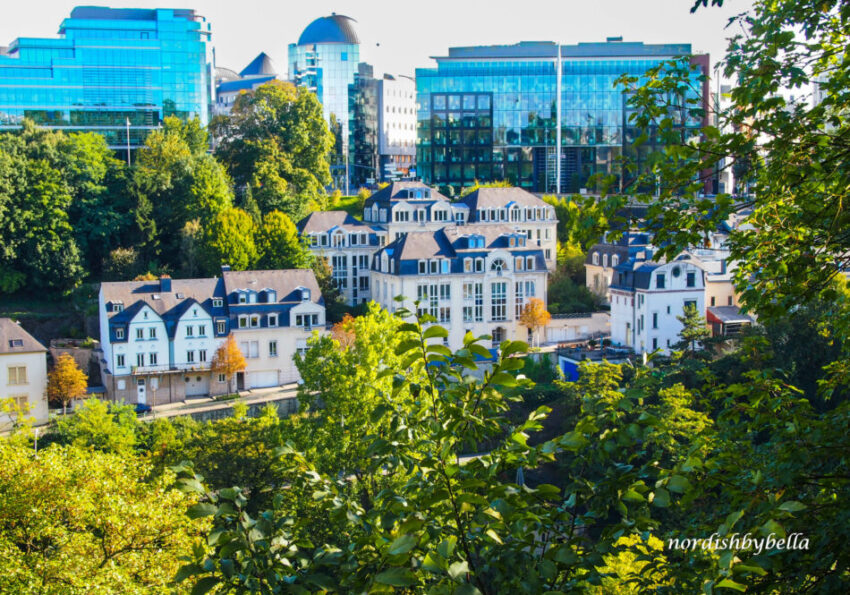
(128, 141)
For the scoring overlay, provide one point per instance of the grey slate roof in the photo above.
(284, 282)
(321, 221)
(450, 241)
(499, 197)
(262, 65)
(14, 339)
(130, 292)
(391, 193)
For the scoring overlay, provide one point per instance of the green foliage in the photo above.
(476, 185)
(100, 425)
(279, 244)
(229, 239)
(76, 521)
(582, 220)
(694, 330)
(566, 296)
(277, 142)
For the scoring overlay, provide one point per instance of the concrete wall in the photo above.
(578, 328)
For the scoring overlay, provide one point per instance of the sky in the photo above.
(397, 37)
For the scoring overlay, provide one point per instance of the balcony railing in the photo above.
(161, 368)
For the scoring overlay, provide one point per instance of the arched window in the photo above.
(605, 260)
(498, 265)
(596, 258)
(615, 260)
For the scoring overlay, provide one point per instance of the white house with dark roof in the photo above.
(158, 338)
(646, 298)
(271, 315)
(469, 278)
(348, 245)
(23, 372)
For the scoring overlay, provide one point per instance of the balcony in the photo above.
(169, 368)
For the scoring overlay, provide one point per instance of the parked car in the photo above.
(142, 408)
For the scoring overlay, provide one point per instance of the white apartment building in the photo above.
(23, 372)
(605, 256)
(159, 338)
(348, 245)
(646, 298)
(469, 278)
(271, 315)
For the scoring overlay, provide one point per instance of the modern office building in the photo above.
(111, 69)
(373, 119)
(397, 139)
(504, 113)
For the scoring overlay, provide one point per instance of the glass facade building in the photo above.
(110, 66)
(325, 60)
(543, 116)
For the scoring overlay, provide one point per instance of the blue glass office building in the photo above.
(502, 112)
(107, 67)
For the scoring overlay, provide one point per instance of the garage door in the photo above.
(262, 379)
(197, 385)
(556, 335)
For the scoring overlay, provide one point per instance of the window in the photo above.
(254, 321)
(272, 348)
(689, 303)
(729, 300)
(119, 334)
(255, 349)
(518, 263)
(243, 299)
(467, 265)
(118, 307)
(479, 265)
(306, 320)
(655, 320)
(498, 265)
(202, 355)
(190, 331)
(272, 320)
(152, 359)
(243, 321)
(119, 361)
(140, 359)
(595, 258)
(659, 281)
(202, 330)
(654, 343)
(220, 327)
(222, 378)
(190, 357)
(499, 301)
(691, 279)
(423, 268)
(140, 334)
(668, 309)
(17, 375)
(218, 302)
(529, 263)
(615, 260)
(339, 264)
(713, 299)
(433, 267)
(605, 261)
(548, 254)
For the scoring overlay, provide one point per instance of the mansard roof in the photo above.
(501, 197)
(286, 283)
(129, 293)
(323, 221)
(396, 191)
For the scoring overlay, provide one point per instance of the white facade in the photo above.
(23, 372)
(647, 299)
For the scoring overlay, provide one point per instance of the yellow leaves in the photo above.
(66, 381)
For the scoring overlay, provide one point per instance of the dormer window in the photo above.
(252, 298)
(117, 307)
(498, 265)
(243, 299)
(518, 263)
(305, 295)
(217, 303)
(423, 267)
(119, 334)
(467, 265)
(272, 320)
(595, 258)
(433, 267)
(479, 265)
(529, 263)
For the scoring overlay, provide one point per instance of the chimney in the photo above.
(225, 268)
(164, 284)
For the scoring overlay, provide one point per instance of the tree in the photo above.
(534, 316)
(344, 332)
(66, 381)
(102, 426)
(80, 521)
(276, 141)
(121, 264)
(694, 330)
(279, 245)
(229, 239)
(191, 246)
(228, 360)
(476, 185)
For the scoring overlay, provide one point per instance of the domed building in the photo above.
(326, 60)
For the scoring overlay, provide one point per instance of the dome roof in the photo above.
(336, 28)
